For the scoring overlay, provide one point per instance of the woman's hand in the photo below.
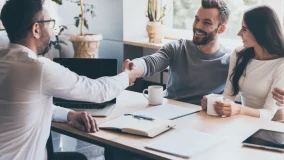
(204, 103)
(227, 108)
(278, 95)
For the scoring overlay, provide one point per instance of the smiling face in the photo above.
(247, 37)
(206, 25)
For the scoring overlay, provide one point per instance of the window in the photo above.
(185, 10)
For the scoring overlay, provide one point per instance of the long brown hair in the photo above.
(265, 26)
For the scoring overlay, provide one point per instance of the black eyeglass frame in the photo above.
(41, 21)
(47, 21)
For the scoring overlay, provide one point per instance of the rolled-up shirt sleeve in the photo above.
(60, 114)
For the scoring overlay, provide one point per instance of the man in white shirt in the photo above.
(28, 84)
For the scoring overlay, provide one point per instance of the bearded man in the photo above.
(196, 67)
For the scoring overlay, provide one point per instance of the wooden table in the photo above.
(235, 129)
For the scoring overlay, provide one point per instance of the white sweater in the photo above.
(261, 77)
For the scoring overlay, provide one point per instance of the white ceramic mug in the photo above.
(211, 100)
(155, 95)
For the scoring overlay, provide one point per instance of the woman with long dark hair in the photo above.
(256, 68)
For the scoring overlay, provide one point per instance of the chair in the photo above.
(162, 75)
(49, 148)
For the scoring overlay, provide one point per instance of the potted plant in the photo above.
(57, 43)
(156, 12)
(85, 45)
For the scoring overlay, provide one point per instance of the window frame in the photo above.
(173, 33)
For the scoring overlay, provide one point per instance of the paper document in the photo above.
(185, 144)
(167, 111)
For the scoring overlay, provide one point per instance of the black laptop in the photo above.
(91, 68)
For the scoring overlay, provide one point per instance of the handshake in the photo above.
(130, 68)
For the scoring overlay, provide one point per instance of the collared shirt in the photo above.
(28, 84)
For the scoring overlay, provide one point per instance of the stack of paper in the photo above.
(168, 111)
(185, 143)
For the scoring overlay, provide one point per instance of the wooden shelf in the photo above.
(143, 42)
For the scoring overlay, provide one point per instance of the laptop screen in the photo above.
(91, 68)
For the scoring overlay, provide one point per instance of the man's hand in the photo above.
(127, 65)
(227, 108)
(129, 68)
(204, 103)
(278, 95)
(82, 121)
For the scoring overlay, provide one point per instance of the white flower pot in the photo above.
(86, 46)
(155, 32)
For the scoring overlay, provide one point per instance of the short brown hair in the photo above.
(221, 6)
(18, 16)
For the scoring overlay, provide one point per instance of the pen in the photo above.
(140, 117)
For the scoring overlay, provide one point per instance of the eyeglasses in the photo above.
(51, 21)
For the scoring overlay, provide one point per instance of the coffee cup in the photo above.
(155, 94)
(211, 100)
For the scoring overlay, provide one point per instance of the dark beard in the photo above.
(44, 51)
(207, 38)
(44, 46)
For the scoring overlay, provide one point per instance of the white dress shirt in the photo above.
(28, 84)
(261, 77)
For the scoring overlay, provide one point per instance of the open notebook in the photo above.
(185, 143)
(143, 127)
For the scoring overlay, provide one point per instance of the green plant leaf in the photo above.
(62, 42)
(61, 30)
(63, 26)
(93, 14)
(57, 47)
(58, 1)
(86, 24)
(77, 21)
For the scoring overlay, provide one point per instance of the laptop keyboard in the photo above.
(82, 106)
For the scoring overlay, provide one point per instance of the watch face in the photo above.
(266, 139)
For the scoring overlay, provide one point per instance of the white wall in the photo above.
(134, 19)
(108, 22)
(2, 2)
(278, 6)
